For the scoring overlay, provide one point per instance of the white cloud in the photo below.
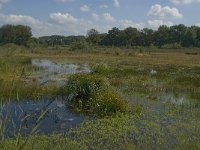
(19, 19)
(68, 24)
(184, 1)
(60, 18)
(63, 1)
(159, 15)
(103, 6)
(85, 8)
(129, 23)
(2, 2)
(108, 17)
(95, 16)
(156, 23)
(58, 24)
(36, 25)
(198, 24)
(116, 2)
(164, 13)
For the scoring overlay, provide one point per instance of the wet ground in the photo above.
(57, 72)
(23, 116)
(51, 113)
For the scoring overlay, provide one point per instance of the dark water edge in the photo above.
(53, 114)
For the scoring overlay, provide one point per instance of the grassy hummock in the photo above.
(93, 94)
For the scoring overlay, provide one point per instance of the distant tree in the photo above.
(147, 37)
(190, 37)
(198, 37)
(93, 36)
(60, 40)
(113, 38)
(22, 34)
(176, 33)
(7, 34)
(161, 36)
(131, 37)
(17, 34)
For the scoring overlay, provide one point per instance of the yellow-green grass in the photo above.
(17, 79)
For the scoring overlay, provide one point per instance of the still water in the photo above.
(56, 72)
(50, 113)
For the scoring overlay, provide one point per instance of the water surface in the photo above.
(23, 116)
(57, 72)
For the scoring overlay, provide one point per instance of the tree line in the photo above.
(173, 36)
(177, 35)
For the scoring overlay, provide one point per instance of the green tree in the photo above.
(176, 33)
(161, 36)
(113, 38)
(132, 37)
(93, 36)
(198, 37)
(22, 34)
(7, 34)
(17, 34)
(147, 37)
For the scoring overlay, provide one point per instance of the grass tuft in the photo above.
(93, 94)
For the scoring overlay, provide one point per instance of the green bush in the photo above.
(172, 46)
(101, 68)
(92, 94)
(78, 46)
(108, 102)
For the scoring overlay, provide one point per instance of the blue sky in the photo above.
(76, 17)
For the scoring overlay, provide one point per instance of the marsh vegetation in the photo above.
(99, 99)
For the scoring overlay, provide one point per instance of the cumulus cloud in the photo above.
(60, 18)
(116, 2)
(184, 1)
(164, 13)
(108, 17)
(36, 25)
(156, 23)
(57, 24)
(129, 23)
(68, 24)
(103, 6)
(85, 8)
(95, 16)
(19, 19)
(159, 15)
(63, 24)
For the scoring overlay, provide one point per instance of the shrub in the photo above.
(101, 68)
(78, 46)
(92, 94)
(171, 46)
(108, 102)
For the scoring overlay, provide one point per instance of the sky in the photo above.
(76, 17)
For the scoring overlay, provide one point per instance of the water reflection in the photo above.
(55, 72)
(24, 116)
